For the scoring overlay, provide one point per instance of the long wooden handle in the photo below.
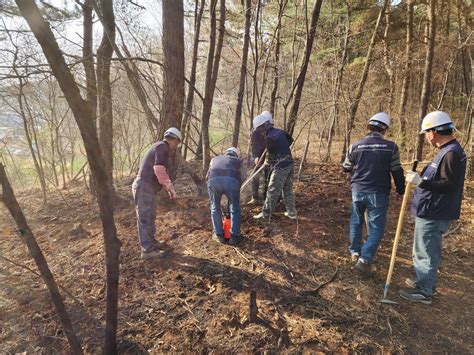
(399, 229)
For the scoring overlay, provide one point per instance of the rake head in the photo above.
(387, 301)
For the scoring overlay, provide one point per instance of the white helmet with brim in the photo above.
(173, 132)
(436, 120)
(380, 119)
(260, 120)
(233, 151)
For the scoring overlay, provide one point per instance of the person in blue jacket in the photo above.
(281, 166)
(436, 202)
(257, 144)
(372, 161)
(225, 178)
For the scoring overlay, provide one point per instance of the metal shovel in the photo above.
(385, 300)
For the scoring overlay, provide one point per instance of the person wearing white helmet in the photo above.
(436, 202)
(257, 144)
(225, 178)
(281, 166)
(152, 177)
(372, 161)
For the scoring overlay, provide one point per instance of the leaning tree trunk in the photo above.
(243, 74)
(426, 89)
(104, 55)
(304, 67)
(211, 78)
(82, 113)
(407, 74)
(360, 87)
(173, 65)
(192, 78)
(9, 200)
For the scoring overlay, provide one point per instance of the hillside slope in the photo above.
(197, 299)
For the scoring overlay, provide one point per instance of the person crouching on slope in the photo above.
(225, 178)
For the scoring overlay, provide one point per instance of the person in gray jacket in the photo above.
(152, 177)
(225, 178)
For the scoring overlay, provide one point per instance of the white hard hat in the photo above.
(378, 118)
(261, 119)
(173, 133)
(267, 114)
(437, 120)
(233, 151)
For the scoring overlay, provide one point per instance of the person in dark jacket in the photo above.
(225, 178)
(151, 178)
(372, 161)
(257, 143)
(281, 165)
(436, 202)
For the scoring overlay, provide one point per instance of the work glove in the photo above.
(413, 178)
(171, 191)
(172, 194)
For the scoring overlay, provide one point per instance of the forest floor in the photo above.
(197, 298)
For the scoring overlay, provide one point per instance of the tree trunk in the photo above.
(104, 90)
(82, 113)
(337, 88)
(133, 77)
(88, 59)
(360, 87)
(256, 60)
(36, 162)
(406, 74)
(467, 69)
(208, 93)
(426, 89)
(243, 74)
(173, 66)
(192, 79)
(387, 61)
(211, 77)
(9, 200)
(304, 67)
(276, 69)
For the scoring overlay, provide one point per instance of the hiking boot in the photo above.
(260, 216)
(219, 238)
(363, 267)
(235, 239)
(154, 252)
(412, 284)
(354, 257)
(291, 215)
(415, 295)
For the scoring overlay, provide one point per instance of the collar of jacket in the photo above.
(375, 134)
